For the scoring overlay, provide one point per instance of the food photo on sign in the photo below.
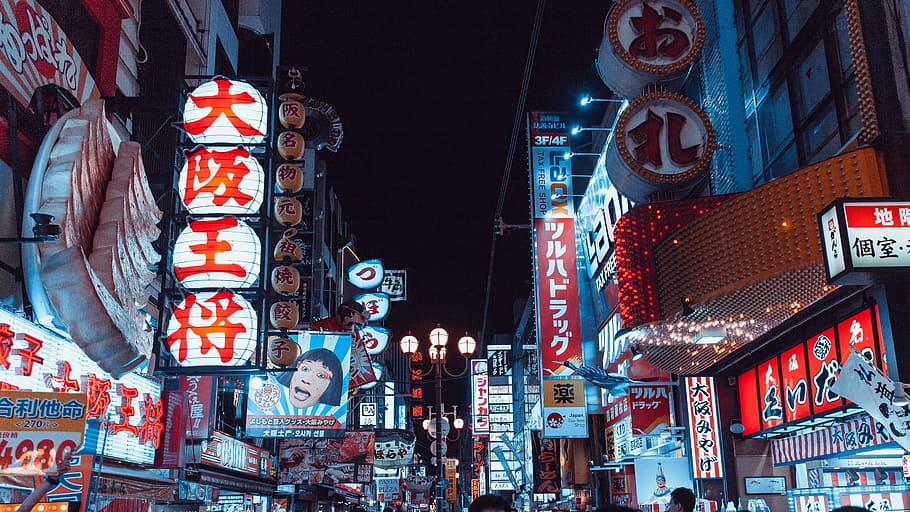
(308, 398)
(327, 461)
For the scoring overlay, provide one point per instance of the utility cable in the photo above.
(510, 156)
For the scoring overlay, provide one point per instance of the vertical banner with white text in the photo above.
(553, 239)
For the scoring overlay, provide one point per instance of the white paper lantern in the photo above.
(212, 329)
(225, 112)
(366, 274)
(225, 181)
(217, 253)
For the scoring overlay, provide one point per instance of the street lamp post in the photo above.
(439, 337)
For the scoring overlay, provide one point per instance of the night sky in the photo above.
(427, 93)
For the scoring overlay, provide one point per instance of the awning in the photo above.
(227, 481)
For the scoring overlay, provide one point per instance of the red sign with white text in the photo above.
(748, 398)
(650, 408)
(794, 383)
(806, 373)
(199, 392)
(771, 405)
(823, 367)
(856, 332)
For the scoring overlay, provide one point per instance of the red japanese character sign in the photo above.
(665, 143)
(376, 305)
(212, 328)
(649, 41)
(374, 338)
(225, 112)
(217, 253)
(366, 274)
(37, 428)
(225, 181)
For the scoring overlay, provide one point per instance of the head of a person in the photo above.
(661, 481)
(490, 503)
(317, 379)
(351, 313)
(681, 500)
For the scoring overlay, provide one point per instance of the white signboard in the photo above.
(395, 284)
(860, 236)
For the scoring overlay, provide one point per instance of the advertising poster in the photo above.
(564, 407)
(327, 461)
(311, 400)
(655, 478)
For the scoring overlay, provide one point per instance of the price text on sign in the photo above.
(36, 428)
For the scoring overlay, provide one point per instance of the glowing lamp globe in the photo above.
(409, 344)
(212, 329)
(217, 253)
(439, 337)
(225, 112)
(221, 181)
(466, 345)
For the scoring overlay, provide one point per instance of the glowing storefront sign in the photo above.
(376, 304)
(225, 112)
(374, 338)
(217, 253)
(701, 408)
(480, 391)
(33, 359)
(212, 328)
(221, 181)
(366, 274)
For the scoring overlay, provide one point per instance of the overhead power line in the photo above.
(510, 157)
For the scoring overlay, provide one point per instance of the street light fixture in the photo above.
(578, 129)
(439, 337)
(588, 100)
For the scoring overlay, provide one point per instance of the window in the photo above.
(799, 82)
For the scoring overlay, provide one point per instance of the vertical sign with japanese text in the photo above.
(704, 427)
(554, 255)
(480, 397)
(200, 395)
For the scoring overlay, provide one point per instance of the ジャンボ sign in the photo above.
(704, 425)
(862, 236)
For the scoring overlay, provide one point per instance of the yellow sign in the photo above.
(564, 393)
(36, 428)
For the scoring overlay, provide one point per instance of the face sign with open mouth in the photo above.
(309, 383)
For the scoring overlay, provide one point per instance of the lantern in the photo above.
(289, 178)
(212, 329)
(217, 253)
(366, 274)
(290, 145)
(225, 112)
(283, 351)
(291, 112)
(284, 314)
(221, 181)
(288, 211)
(287, 249)
(285, 279)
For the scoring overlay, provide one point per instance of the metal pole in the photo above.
(440, 438)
